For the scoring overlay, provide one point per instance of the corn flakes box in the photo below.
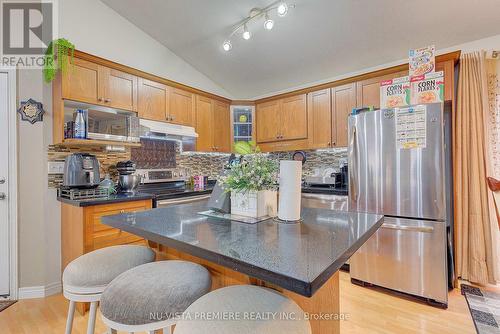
(395, 93)
(428, 88)
(422, 61)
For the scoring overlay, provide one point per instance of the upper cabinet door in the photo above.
(368, 91)
(153, 100)
(343, 101)
(204, 124)
(449, 78)
(294, 118)
(81, 82)
(120, 89)
(320, 113)
(222, 124)
(268, 120)
(182, 107)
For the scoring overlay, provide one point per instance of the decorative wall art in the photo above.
(31, 111)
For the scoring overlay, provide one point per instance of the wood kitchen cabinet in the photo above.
(268, 119)
(320, 110)
(294, 118)
(91, 83)
(82, 82)
(283, 119)
(119, 89)
(182, 107)
(153, 100)
(83, 232)
(212, 125)
(204, 124)
(343, 101)
(222, 127)
(368, 91)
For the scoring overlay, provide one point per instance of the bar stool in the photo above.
(86, 277)
(153, 296)
(243, 309)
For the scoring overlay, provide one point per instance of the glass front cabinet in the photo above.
(243, 128)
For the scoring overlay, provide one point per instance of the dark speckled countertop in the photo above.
(116, 198)
(297, 257)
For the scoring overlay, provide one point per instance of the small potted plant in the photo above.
(253, 184)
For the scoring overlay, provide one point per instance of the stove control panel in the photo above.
(161, 175)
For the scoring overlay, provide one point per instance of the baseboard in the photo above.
(42, 291)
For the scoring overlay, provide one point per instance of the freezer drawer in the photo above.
(407, 256)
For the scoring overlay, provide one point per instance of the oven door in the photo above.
(181, 200)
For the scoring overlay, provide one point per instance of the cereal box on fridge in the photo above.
(422, 60)
(427, 88)
(395, 93)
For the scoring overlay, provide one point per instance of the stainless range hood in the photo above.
(185, 135)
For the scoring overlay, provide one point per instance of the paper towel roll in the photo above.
(290, 190)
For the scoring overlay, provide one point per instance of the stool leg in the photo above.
(71, 315)
(92, 314)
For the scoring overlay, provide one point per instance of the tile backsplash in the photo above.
(107, 160)
(194, 163)
(210, 164)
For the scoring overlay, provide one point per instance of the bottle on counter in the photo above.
(80, 125)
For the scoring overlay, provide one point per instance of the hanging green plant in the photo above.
(57, 58)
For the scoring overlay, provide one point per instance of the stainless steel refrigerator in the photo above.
(397, 161)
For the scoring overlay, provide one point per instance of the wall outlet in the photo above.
(56, 167)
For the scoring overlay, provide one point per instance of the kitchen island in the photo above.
(299, 260)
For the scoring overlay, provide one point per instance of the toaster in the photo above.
(81, 170)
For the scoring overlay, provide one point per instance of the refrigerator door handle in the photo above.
(424, 229)
(353, 152)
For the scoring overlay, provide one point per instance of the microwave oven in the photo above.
(103, 123)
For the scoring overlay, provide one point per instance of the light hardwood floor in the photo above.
(369, 311)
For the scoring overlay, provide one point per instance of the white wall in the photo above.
(490, 43)
(97, 29)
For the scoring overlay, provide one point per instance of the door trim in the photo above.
(12, 161)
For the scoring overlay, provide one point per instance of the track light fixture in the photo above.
(268, 23)
(246, 34)
(281, 9)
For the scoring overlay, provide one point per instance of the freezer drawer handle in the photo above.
(424, 229)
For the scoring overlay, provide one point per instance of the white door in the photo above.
(4, 184)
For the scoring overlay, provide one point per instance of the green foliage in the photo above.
(244, 148)
(57, 58)
(256, 172)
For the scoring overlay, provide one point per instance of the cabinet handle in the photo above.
(172, 118)
(329, 144)
(99, 99)
(334, 144)
(107, 100)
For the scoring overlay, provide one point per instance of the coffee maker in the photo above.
(81, 170)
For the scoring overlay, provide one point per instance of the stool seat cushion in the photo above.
(154, 292)
(92, 272)
(243, 309)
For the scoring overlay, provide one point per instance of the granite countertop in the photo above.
(297, 257)
(116, 198)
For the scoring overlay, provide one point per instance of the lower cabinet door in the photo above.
(98, 235)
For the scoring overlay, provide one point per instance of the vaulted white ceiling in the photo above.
(317, 40)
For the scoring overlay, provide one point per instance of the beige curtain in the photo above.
(474, 238)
